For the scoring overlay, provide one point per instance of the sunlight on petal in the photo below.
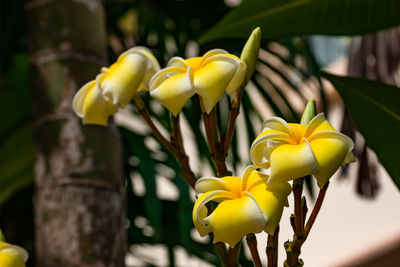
(233, 219)
(330, 150)
(174, 92)
(90, 105)
(289, 162)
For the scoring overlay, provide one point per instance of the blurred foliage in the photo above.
(381, 127)
(172, 28)
(286, 18)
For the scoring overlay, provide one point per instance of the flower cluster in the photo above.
(138, 70)
(248, 204)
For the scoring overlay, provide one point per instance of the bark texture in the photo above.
(79, 200)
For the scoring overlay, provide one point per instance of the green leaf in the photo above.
(284, 18)
(375, 110)
(16, 150)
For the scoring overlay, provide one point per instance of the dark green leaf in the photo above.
(375, 110)
(284, 18)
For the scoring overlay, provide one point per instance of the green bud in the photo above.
(250, 52)
(309, 112)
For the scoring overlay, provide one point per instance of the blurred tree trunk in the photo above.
(79, 200)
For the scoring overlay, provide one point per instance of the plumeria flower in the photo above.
(246, 205)
(12, 256)
(209, 76)
(90, 105)
(115, 86)
(129, 75)
(294, 150)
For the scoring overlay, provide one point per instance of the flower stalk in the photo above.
(252, 243)
(272, 249)
(175, 146)
(293, 248)
(213, 140)
(233, 255)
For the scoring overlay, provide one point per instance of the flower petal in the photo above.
(205, 184)
(89, 104)
(349, 159)
(240, 74)
(177, 62)
(271, 198)
(200, 211)
(12, 256)
(318, 124)
(252, 178)
(233, 219)
(330, 150)
(124, 77)
(213, 52)
(289, 162)
(277, 124)
(259, 148)
(211, 80)
(174, 91)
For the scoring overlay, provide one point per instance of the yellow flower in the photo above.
(246, 205)
(294, 150)
(208, 76)
(12, 256)
(90, 105)
(129, 75)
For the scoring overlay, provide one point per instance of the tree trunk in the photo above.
(79, 200)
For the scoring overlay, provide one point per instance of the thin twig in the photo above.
(252, 244)
(176, 149)
(293, 248)
(235, 107)
(183, 159)
(216, 149)
(233, 255)
(146, 117)
(298, 217)
(316, 209)
(272, 249)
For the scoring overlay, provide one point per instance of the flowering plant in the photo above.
(243, 205)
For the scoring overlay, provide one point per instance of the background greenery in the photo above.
(171, 28)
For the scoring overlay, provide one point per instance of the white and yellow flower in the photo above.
(246, 205)
(209, 76)
(12, 256)
(115, 86)
(129, 75)
(90, 105)
(294, 150)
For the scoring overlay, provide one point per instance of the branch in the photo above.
(272, 248)
(293, 248)
(146, 117)
(252, 243)
(183, 159)
(232, 120)
(316, 209)
(216, 149)
(233, 255)
(175, 147)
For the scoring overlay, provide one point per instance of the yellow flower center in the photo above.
(298, 133)
(194, 63)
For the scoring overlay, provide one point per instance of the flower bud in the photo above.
(250, 52)
(310, 112)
